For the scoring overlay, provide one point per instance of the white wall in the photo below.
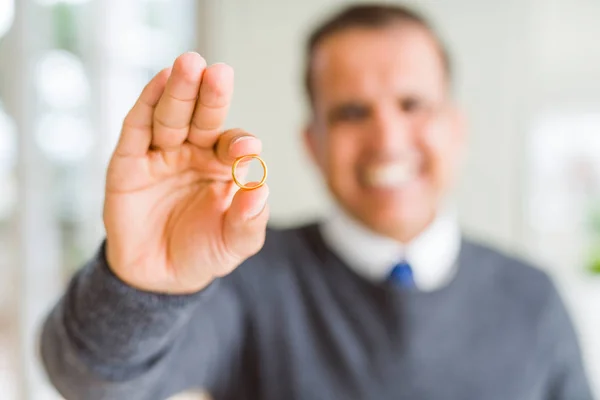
(567, 52)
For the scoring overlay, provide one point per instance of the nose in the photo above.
(390, 132)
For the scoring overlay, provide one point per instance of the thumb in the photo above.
(245, 222)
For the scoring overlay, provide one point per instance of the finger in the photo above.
(215, 96)
(174, 111)
(235, 143)
(245, 222)
(137, 126)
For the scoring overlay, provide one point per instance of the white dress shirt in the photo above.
(432, 255)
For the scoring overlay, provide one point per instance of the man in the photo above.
(382, 300)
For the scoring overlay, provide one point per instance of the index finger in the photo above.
(216, 91)
(136, 133)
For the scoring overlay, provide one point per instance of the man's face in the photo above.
(384, 133)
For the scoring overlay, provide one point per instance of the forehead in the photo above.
(363, 62)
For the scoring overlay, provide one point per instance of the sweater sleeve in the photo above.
(567, 380)
(107, 340)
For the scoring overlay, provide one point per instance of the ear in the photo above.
(310, 143)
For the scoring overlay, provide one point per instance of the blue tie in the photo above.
(402, 275)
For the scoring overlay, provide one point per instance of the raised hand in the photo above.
(174, 219)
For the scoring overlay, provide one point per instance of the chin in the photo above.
(397, 213)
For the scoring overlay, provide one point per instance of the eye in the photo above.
(411, 104)
(349, 113)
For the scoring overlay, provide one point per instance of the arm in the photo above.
(174, 223)
(108, 340)
(560, 347)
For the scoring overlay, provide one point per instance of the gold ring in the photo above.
(241, 185)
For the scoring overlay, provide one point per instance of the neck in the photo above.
(402, 232)
(406, 232)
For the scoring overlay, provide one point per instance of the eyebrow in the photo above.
(337, 109)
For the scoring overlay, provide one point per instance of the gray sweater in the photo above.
(293, 322)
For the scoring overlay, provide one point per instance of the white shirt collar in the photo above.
(432, 255)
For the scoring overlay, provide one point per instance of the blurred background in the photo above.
(528, 76)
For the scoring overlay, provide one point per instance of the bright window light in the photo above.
(7, 15)
(53, 2)
(8, 142)
(64, 138)
(61, 80)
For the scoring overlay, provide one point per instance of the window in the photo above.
(565, 179)
(7, 15)
(89, 61)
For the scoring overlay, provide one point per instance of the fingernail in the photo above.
(241, 139)
(238, 140)
(259, 206)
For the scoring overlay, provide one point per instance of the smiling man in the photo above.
(381, 300)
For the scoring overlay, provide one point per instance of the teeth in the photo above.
(391, 175)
